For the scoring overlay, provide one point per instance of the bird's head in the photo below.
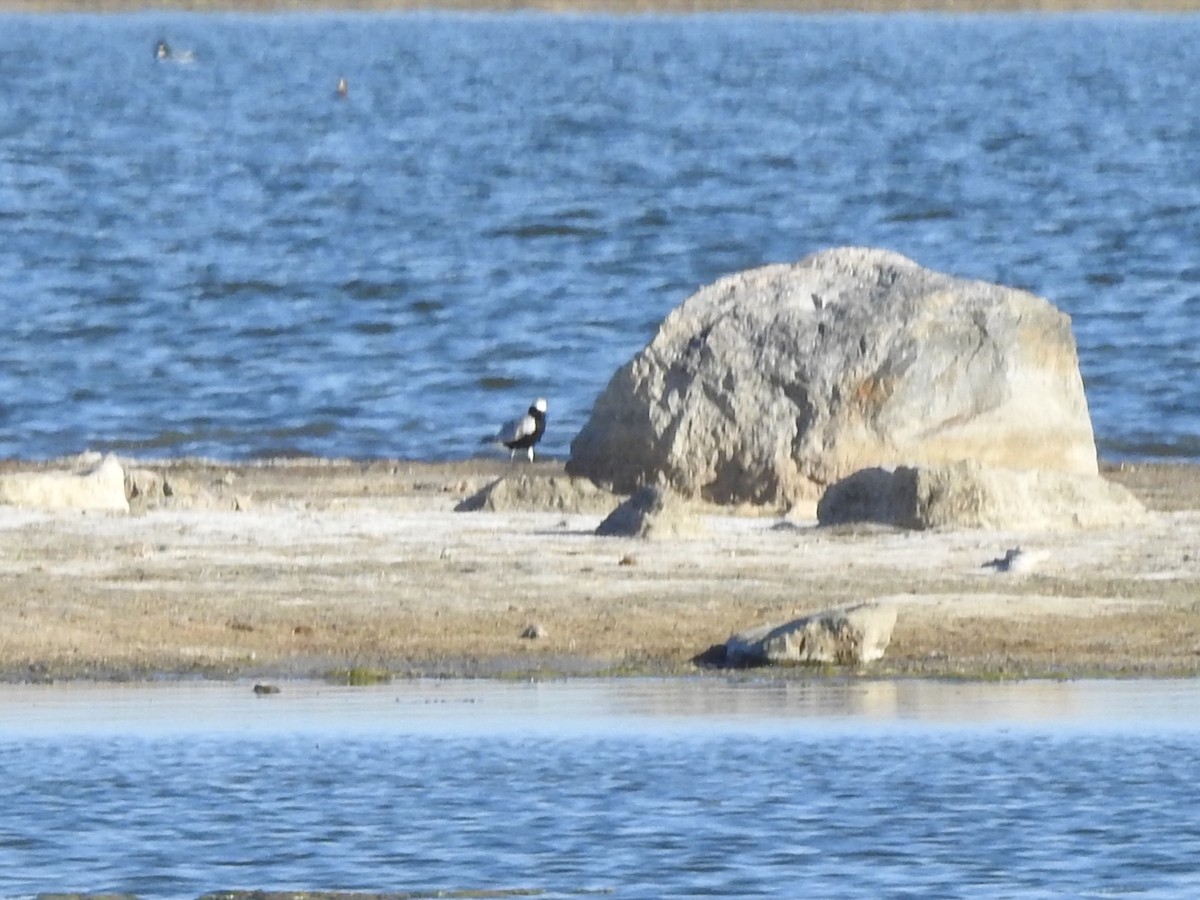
(540, 404)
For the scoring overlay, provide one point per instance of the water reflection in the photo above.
(430, 707)
(626, 788)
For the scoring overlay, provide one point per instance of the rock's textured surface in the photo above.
(149, 489)
(652, 513)
(968, 495)
(94, 484)
(772, 384)
(844, 637)
(529, 493)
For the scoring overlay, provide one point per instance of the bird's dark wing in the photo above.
(519, 428)
(513, 431)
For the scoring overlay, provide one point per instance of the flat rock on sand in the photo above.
(90, 482)
(844, 637)
(968, 495)
(532, 493)
(653, 513)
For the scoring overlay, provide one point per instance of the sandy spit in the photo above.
(331, 568)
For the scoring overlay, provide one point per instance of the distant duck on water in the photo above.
(524, 432)
(164, 53)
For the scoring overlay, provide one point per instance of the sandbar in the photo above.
(342, 569)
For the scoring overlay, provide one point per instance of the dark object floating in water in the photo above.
(162, 50)
(263, 690)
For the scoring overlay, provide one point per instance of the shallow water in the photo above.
(214, 255)
(644, 788)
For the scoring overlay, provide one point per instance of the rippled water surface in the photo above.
(628, 789)
(215, 255)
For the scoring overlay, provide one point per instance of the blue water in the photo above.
(629, 789)
(214, 255)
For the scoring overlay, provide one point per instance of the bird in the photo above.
(343, 88)
(163, 52)
(522, 433)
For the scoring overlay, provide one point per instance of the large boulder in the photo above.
(968, 495)
(772, 384)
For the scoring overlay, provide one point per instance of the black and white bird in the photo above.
(522, 433)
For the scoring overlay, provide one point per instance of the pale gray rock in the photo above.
(150, 489)
(146, 488)
(772, 384)
(531, 493)
(968, 495)
(93, 483)
(843, 637)
(653, 513)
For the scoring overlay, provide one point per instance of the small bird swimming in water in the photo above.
(343, 89)
(164, 53)
(522, 433)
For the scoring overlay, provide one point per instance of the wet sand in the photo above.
(351, 571)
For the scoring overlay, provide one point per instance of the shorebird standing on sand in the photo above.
(522, 433)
